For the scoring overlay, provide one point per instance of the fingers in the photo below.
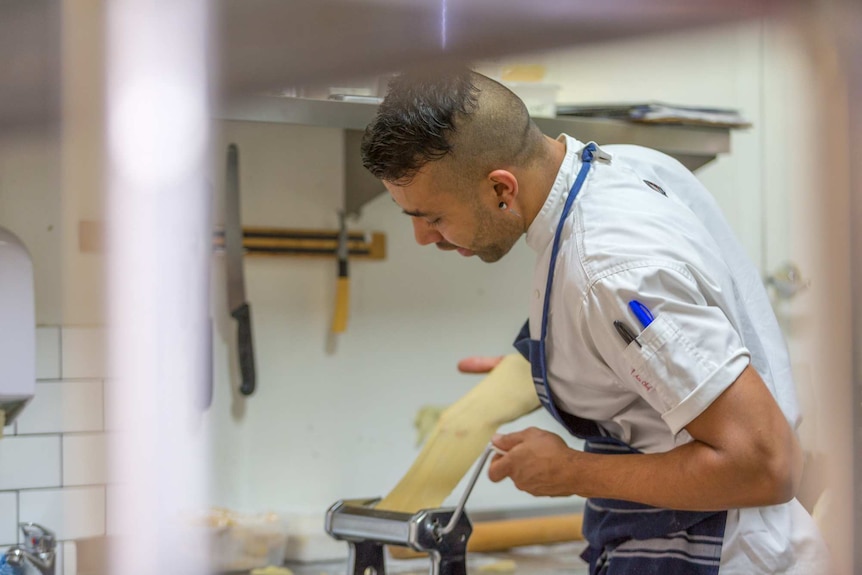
(477, 364)
(502, 465)
(499, 469)
(508, 441)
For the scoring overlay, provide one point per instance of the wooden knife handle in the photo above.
(342, 305)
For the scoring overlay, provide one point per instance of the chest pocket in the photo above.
(655, 187)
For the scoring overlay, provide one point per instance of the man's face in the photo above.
(467, 220)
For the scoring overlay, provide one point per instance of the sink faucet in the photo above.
(39, 549)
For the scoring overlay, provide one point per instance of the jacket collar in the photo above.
(541, 231)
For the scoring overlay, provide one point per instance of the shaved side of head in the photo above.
(468, 123)
(498, 134)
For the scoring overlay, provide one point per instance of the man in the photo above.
(650, 334)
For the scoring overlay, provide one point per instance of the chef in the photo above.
(650, 335)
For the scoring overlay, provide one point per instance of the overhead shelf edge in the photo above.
(693, 146)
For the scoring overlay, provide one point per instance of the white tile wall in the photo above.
(84, 459)
(72, 513)
(8, 518)
(30, 462)
(83, 352)
(47, 360)
(47, 353)
(64, 406)
(53, 462)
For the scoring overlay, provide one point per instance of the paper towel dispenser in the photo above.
(17, 326)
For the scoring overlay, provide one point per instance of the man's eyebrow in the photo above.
(415, 214)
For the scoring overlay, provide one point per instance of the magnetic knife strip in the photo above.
(269, 242)
(284, 242)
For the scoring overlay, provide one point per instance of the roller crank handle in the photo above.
(459, 509)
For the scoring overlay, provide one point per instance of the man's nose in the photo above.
(424, 233)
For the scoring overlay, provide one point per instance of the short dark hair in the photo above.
(415, 122)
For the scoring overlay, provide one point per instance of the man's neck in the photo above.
(541, 179)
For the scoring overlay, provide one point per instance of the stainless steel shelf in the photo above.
(693, 146)
(284, 110)
(704, 142)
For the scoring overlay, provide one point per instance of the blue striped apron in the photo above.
(623, 537)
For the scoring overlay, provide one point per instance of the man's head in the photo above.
(451, 146)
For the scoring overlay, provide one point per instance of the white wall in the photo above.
(30, 208)
(52, 179)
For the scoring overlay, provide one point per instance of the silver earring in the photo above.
(503, 205)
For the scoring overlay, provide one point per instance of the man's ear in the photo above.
(505, 186)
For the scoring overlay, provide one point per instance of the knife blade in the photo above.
(236, 300)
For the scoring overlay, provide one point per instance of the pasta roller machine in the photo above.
(441, 533)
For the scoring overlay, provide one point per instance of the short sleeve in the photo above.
(684, 359)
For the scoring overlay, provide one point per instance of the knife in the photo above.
(237, 304)
(342, 287)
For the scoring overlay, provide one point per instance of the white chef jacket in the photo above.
(667, 245)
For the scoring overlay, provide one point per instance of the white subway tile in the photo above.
(84, 352)
(8, 518)
(30, 462)
(72, 512)
(84, 459)
(70, 559)
(63, 407)
(47, 353)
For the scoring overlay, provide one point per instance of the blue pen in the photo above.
(641, 312)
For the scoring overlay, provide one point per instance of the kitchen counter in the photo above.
(534, 560)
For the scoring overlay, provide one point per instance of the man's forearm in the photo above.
(693, 476)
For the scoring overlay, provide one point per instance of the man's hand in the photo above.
(537, 461)
(478, 364)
